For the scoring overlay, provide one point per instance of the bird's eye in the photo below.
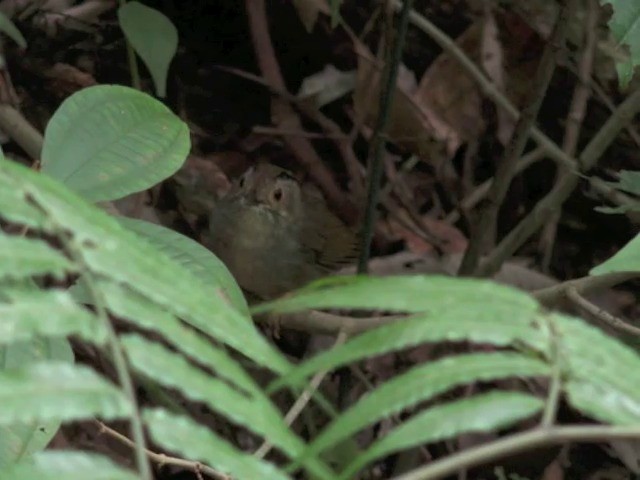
(277, 194)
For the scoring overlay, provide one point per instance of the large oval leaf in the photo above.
(108, 141)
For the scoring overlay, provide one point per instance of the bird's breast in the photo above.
(260, 248)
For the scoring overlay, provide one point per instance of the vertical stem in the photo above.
(577, 112)
(132, 60)
(133, 67)
(379, 141)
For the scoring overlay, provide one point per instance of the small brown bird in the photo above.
(276, 234)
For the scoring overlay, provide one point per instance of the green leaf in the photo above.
(193, 256)
(48, 313)
(591, 363)
(481, 413)
(629, 181)
(257, 413)
(334, 6)
(69, 465)
(80, 292)
(626, 260)
(173, 370)
(153, 37)
(16, 207)
(57, 391)
(107, 141)
(415, 293)
(113, 252)
(492, 323)
(24, 257)
(422, 383)
(127, 304)
(20, 440)
(184, 436)
(19, 354)
(9, 28)
(622, 209)
(625, 28)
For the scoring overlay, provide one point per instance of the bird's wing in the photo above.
(330, 242)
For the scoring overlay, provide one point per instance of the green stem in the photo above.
(555, 388)
(550, 296)
(131, 60)
(133, 67)
(119, 361)
(379, 139)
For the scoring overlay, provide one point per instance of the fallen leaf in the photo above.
(411, 126)
(309, 10)
(327, 85)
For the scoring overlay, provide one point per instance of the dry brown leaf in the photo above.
(492, 61)
(447, 90)
(410, 126)
(452, 94)
(452, 239)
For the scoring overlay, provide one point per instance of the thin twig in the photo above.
(379, 140)
(491, 91)
(487, 87)
(327, 323)
(160, 458)
(302, 400)
(606, 99)
(577, 111)
(601, 314)
(553, 295)
(485, 234)
(561, 191)
(342, 141)
(481, 190)
(520, 442)
(261, 130)
(407, 205)
(286, 118)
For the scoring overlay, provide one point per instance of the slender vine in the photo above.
(379, 139)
